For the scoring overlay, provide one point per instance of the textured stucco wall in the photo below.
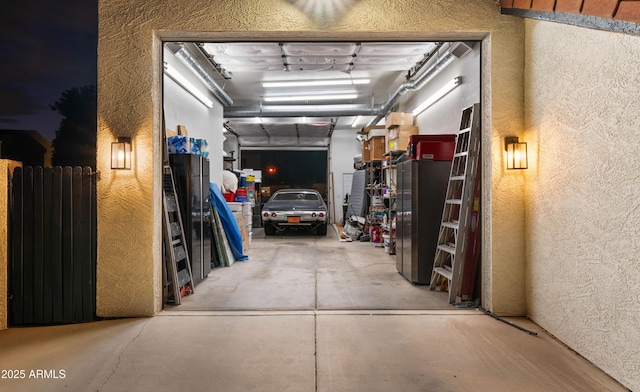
(4, 241)
(6, 168)
(129, 52)
(583, 192)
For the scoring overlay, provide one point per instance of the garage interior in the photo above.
(283, 103)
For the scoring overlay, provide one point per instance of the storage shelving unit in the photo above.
(389, 174)
(375, 191)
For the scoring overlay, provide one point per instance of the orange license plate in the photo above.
(293, 219)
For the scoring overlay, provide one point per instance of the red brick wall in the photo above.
(626, 10)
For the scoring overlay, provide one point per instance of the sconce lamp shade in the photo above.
(121, 153)
(516, 153)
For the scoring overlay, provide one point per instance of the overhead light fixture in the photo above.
(356, 121)
(121, 153)
(516, 153)
(327, 97)
(455, 82)
(316, 83)
(187, 85)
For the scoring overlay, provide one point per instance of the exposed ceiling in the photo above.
(236, 72)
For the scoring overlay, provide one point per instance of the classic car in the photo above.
(295, 209)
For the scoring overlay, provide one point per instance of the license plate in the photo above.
(293, 219)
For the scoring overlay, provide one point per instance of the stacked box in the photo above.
(399, 144)
(373, 149)
(366, 156)
(377, 147)
(402, 131)
(396, 119)
(397, 138)
(367, 130)
(378, 131)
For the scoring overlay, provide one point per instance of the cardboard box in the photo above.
(402, 131)
(182, 130)
(376, 133)
(398, 144)
(374, 149)
(386, 142)
(366, 130)
(366, 155)
(397, 119)
(244, 231)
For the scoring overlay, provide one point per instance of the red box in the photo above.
(414, 140)
(435, 151)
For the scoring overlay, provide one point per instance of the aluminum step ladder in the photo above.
(177, 276)
(178, 266)
(451, 249)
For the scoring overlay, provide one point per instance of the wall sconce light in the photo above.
(121, 153)
(516, 153)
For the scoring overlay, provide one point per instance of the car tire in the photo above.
(269, 229)
(322, 230)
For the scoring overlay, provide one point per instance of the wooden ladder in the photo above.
(450, 253)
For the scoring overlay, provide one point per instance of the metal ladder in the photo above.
(450, 253)
(179, 277)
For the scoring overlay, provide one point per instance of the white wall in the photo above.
(182, 108)
(344, 146)
(583, 192)
(231, 144)
(444, 116)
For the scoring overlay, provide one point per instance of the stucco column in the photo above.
(6, 168)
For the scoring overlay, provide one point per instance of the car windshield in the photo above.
(295, 196)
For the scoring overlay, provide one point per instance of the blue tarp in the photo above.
(229, 223)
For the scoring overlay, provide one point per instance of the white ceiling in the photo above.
(240, 68)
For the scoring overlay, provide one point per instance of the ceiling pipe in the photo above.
(192, 56)
(454, 51)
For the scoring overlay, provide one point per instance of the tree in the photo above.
(75, 141)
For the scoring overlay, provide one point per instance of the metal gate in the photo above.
(52, 249)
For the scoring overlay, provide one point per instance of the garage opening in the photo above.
(338, 117)
(281, 169)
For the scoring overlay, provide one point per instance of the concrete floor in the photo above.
(303, 314)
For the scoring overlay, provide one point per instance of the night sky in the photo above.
(47, 47)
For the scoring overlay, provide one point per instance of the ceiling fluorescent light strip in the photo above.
(294, 98)
(187, 85)
(455, 82)
(315, 83)
(356, 121)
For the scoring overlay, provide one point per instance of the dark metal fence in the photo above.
(52, 245)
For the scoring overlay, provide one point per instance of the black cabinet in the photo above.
(191, 174)
(422, 187)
